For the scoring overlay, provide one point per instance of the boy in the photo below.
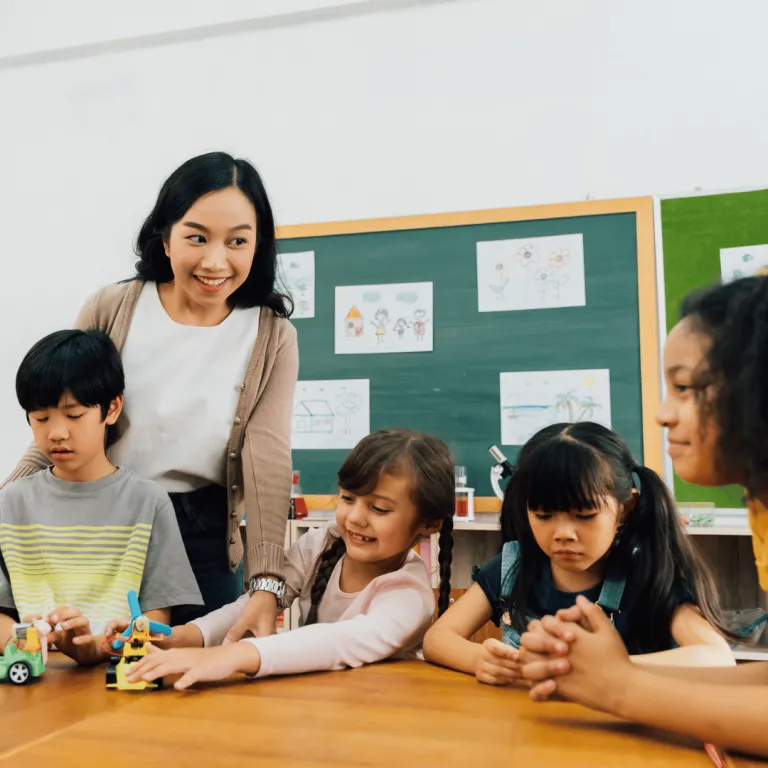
(75, 538)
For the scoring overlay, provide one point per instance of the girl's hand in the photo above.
(595, 672)
(197, 664)
(497, 663)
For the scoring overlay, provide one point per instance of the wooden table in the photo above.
(382, 715)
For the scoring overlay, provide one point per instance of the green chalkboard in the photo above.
(693, 231)
(454, 390)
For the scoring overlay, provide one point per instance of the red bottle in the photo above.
(298, 505)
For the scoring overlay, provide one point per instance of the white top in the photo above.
(182, 385)
(385, 620)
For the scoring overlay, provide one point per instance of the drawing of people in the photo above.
(380, 321)
(420, 323)
(401, 326)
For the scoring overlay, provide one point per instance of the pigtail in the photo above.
(665, 564)
(327, 563)
(444, 558)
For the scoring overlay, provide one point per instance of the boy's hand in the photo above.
(197, 664)
(182, 636)
(497, 664)
(72, 635)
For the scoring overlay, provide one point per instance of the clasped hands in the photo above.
(576, 655)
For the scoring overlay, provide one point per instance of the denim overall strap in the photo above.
(510, 557)
(612, 592)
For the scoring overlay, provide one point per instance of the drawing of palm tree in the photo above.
(568, 402)
(588, 408)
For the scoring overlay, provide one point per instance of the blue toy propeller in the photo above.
(155, 627)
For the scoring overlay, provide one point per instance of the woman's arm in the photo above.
(447, 641)
(267, 462)
(701, 645)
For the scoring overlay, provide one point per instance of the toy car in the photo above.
(131, 648)
(25, 655)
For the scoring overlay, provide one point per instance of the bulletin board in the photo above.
(454, 390)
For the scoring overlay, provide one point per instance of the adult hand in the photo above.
(597, 668)
(257, 619)
(497, 663)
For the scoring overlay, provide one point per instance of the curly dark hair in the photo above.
(430, 462)
(734, 318)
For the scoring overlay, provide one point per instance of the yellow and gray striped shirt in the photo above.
(88, 544)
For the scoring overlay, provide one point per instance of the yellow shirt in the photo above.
(758, 522)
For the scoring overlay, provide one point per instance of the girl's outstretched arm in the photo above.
(598, 673)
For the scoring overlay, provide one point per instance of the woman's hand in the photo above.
(597, 667)
(257, 619)
(197, 664)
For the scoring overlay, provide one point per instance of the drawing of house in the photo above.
(353, 322)
(312, 416)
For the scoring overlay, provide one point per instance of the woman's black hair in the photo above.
(84, 364)
(567, 467)
(430, 463)
(188, 183)
(730, 385)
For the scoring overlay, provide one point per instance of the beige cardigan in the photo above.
(259, 450)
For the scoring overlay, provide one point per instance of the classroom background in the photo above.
(383, 109)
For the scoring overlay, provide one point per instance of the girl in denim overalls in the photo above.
(580, 517)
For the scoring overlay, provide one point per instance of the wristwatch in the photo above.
(267, 584)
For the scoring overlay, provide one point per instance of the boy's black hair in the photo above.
(734, 318)
(84, 364)
(567, 467)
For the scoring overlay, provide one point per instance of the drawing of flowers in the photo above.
(527, 255)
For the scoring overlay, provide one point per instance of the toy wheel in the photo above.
(111, 675)
(19, 673)
(159, 683)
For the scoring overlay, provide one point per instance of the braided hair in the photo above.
(398, 451)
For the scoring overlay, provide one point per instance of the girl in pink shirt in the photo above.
(364, 593)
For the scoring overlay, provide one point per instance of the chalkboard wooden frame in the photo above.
(641, 207)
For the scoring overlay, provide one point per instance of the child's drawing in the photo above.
(297, 271)
(744, 261)
(330, 414)
(538, 273)
(532, 400)
(381, 304)
(380, 322)
(354, 323)
(420, 321)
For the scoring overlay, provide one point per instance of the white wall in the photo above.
(373, 112)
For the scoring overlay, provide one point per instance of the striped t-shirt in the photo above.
(88, 544)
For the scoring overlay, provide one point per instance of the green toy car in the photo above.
(24, 656)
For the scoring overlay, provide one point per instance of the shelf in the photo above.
(718, 530)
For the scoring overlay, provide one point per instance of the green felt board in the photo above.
(694, 229)
(454, 391)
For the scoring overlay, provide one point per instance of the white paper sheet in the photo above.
(743, 261)
(330, 414)
(532, 400)
(298, 273)
(378, 319)
(535, 273)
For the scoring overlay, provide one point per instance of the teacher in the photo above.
(211, 363)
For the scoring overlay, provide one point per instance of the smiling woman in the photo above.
(211, 362)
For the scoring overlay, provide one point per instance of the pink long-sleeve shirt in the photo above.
(385, 620)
